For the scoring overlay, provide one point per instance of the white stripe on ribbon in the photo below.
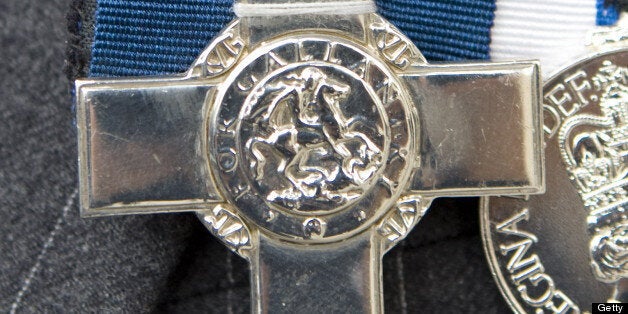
(553, 31)
(296, 8)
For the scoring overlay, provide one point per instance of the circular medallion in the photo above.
(566, 249)
(307, 147)
(314, 138)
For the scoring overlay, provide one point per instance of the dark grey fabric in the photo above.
(51, 261)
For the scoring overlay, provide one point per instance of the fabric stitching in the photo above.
(38, 261)
(401, 280)
(231, 282)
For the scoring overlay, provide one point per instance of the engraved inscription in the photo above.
(406, 214)
(536, 288)
(314, 228)
(565, 99)
(223, 222)
(594, 149)
(314, 140)
(225, 52)
(394, 46)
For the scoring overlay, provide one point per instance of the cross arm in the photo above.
(141, 147)
(479, 129)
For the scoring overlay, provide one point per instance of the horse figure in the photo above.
(304, 136)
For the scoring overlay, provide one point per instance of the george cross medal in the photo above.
(310, 137)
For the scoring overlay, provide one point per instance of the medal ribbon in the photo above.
(153, 37)
(552, 31)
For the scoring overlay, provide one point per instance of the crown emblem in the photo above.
(595, 149)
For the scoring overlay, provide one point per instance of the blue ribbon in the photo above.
(607, 14)
(153, 37)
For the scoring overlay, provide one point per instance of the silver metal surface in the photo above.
(310, 145)
(562, 251)
(478, 126)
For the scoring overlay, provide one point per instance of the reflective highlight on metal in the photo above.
(310, 145)
(561, 251)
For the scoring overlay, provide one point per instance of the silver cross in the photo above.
(310, 145)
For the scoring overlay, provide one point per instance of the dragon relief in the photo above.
(595, 151)
(306, 152)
